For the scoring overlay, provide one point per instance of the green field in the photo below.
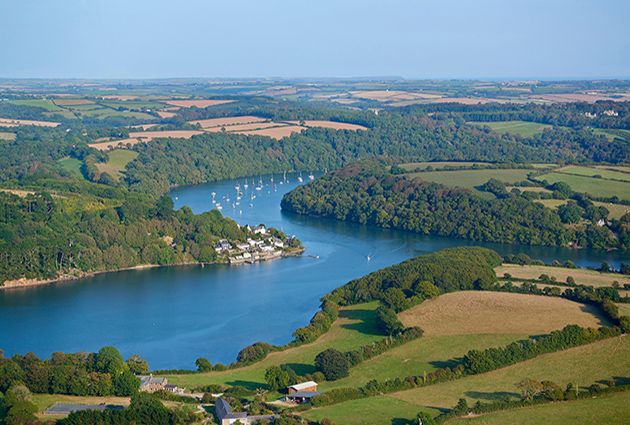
(590, 172)
(118, 160)
(592, 186)
(582, 365)
(73, 166)
(421, 355)
(471, 178)
(354, 328)
(614, 133)
(38, 103)
(5, 135)
(520, 128)
(603, 409)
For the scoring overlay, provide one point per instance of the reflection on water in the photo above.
(171, 316)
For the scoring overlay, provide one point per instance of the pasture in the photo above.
(197, 103)
(228, 121)
(438, 165)
(329, 124)
(355, 327)
(598, 187)
(603, 409)
(581, 276)
(615, 211)
(591, 172)
(482, 312)
(117, 161)
(73, 166)
(275, 132)
(583, 365)
(519, 128)
(10, 122)
(5, 135)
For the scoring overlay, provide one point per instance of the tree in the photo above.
(425, 419)
(18, 406)
(125, 384)
(10, 372)
(570, 212)
(109, 360)
(395, 299)
(203, 364)
(529, 388)
(147, 409)
(387, 321)
(333, 364)
(277, 378)
(137, 365)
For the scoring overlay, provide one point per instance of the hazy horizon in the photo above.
(441, 40)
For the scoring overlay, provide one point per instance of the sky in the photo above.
(315, 38)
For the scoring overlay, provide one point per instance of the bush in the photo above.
(254, 352)
(333, 364)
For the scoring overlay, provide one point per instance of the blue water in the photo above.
(171, 316)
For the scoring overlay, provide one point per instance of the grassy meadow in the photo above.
(355, 327)
(603, 409)
(117, 161)
(73, 166)
(581, 276)
(519, 128)
(598, 187)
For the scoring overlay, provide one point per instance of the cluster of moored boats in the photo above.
(258, 186)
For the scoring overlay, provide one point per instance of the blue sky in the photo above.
(315, 38)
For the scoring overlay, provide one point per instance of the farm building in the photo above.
(151, 384)
(304, 386)
(300, 397)
(225, 415)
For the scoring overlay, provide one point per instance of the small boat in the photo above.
(311, 177)
(237, 187)
(300, 179)
(177, 198)
(369, 258)
(218, 206)
(245, 186)
(258, 187)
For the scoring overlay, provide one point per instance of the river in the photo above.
(171, 316)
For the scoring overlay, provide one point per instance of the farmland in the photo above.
(519, 128)
(582, 365)
(8, 122)
(197, 103)
(5, 135)
(73, 166)
(581, 276)
(228, 121)
(593, 186)
(118, 160)
(471, 312)
(438, 165)
(329, 124)
(603, 409)
(591, 172)
(274, 132)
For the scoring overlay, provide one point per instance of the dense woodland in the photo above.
(367, 193)
(44, 237)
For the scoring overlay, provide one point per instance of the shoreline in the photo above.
(24, 283)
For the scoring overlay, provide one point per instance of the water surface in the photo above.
(171, 316)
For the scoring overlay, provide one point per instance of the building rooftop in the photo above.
(303, 385)
(151, 380)
(224, 411)
(304, 394)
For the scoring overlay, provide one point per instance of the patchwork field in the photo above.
(44, 401)
(355, 327)
(599, 187)
(274, 132)
(144, 136)
(9, 122)
(614, 210)
(4, 135)
(197, 103)
(603, 409)
(581, 276)
(480, 312)
(72, 102)
(471, 178)
(166, 114)
(582, 365)
(118, 160)
(519, 128)
(330, 124)
(228, 121)
(592, 171)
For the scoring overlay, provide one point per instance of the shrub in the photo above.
(333, 364)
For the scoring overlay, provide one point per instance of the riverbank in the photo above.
(24, 282)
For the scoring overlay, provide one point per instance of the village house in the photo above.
(242, 246)
(226, 417)
(151, 384)
(260, 230)
(222, 246)
(277, 242)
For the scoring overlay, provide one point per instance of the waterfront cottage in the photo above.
(151, 384)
